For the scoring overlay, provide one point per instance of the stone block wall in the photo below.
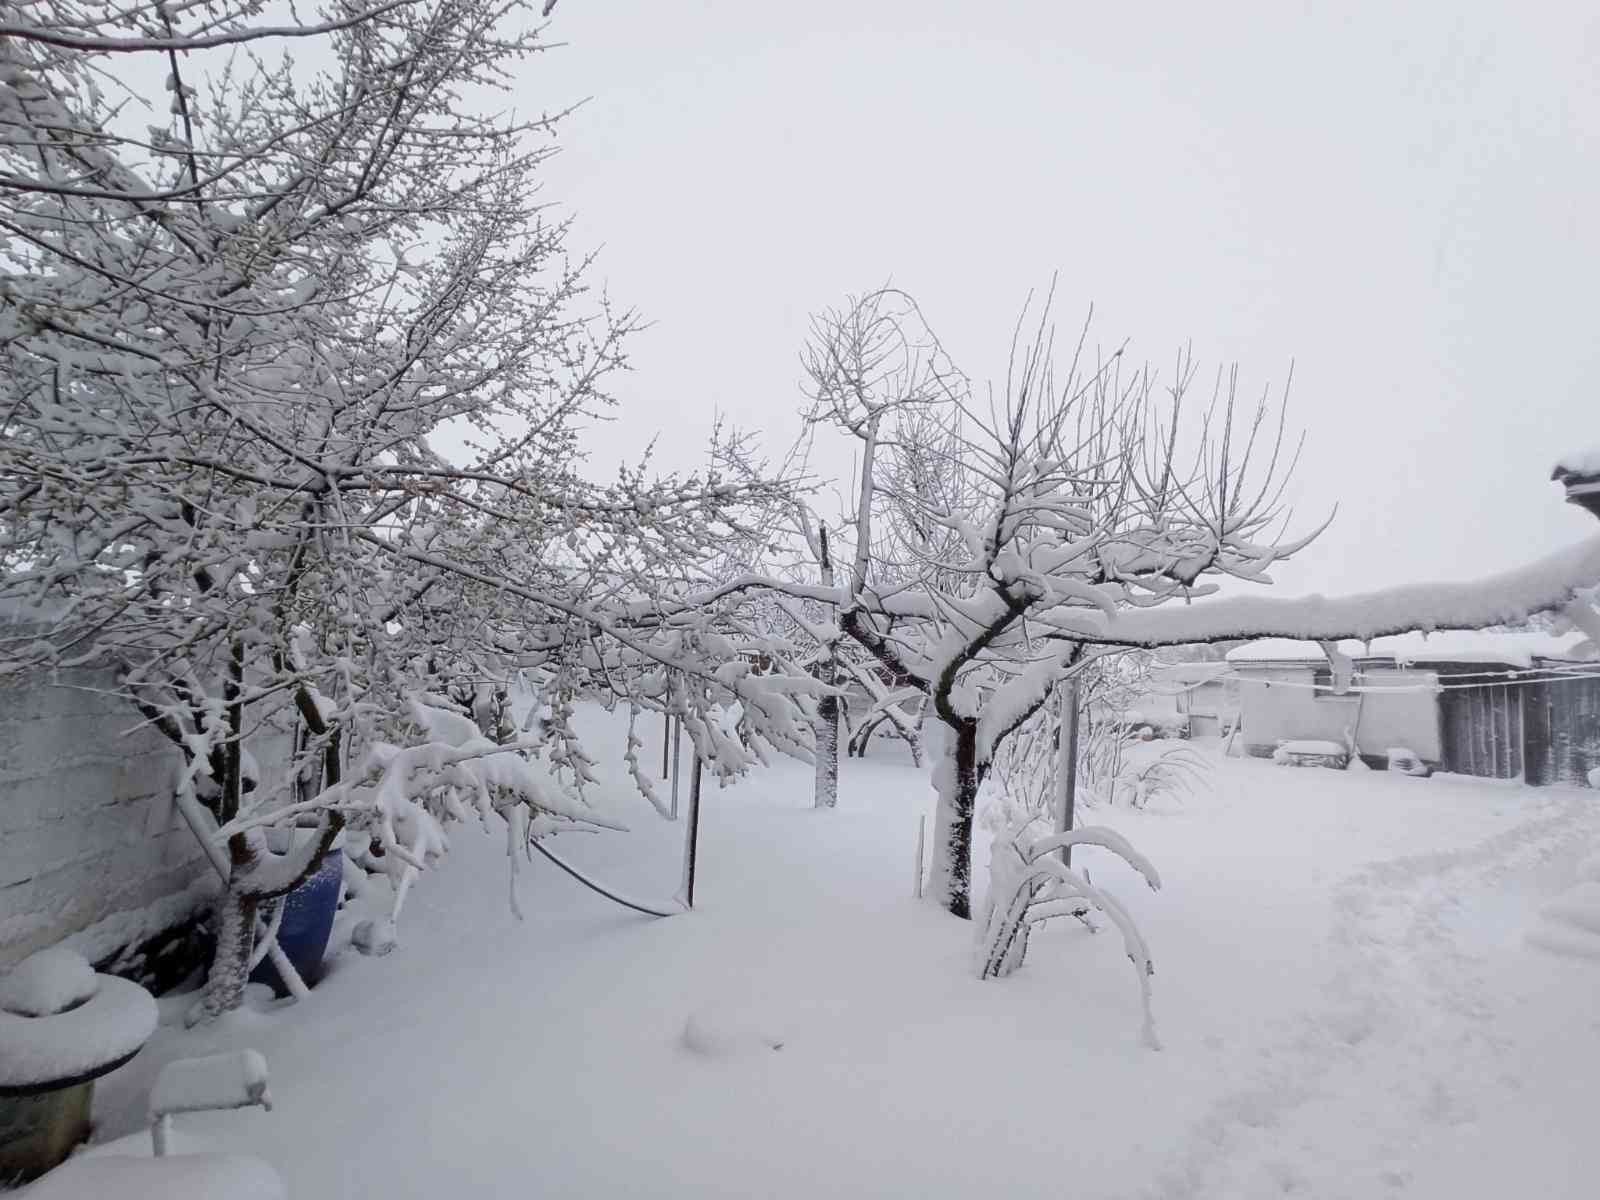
(87, 829)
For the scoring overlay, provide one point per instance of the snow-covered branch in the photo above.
(1548, 585)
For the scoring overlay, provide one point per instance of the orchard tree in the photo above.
(1080, 510)
(238, 343)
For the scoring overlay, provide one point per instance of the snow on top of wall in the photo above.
(1480, 646)
(1583, 462)
(1189, 672)
(1282, 650)
(1515, 648)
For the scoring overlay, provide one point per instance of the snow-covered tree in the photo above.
(237, 343)
(1082, 509)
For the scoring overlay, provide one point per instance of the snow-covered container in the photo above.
(61, 1027)
(1406, 761)
(1311, 753)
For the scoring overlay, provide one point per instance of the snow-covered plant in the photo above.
(1159, 771)
(1029, 884)
(1023, 781)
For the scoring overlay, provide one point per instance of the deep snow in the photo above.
(1346, 992)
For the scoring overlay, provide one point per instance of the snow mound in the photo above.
(1579, 907)
(177, 1177)
(718, 1035)
(49, 982)
(1581, 462)
(1570, 925)
(375, 937)
(1405, 761)
(1569, 943)
(1594, 778)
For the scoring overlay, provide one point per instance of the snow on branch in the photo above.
(102, 44)
(1549, 585)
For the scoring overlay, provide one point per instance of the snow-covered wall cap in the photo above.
(1507, 648)
(1585, 462)
(1289, 650)
(1189, 672)
(1517, 649)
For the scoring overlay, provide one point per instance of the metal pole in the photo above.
(922, 830)
(691, 847)
(1067, 762)
(666, 736)
(160, 1135)
(677, 739)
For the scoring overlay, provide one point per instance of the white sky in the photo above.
(1402, 199)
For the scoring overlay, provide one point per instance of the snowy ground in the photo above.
(1349, 1004)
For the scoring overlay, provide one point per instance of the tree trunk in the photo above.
(827, 752)
(956, 781)
(236, 926)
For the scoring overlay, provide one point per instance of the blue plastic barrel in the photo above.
(307, 923)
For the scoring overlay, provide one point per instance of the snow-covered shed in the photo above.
(1505, 705)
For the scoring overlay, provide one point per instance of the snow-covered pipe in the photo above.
(649, 910)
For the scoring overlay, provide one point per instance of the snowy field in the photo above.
(1346, 991)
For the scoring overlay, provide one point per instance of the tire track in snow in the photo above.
(1334, 1107)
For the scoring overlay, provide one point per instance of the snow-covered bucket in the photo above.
(61, 1027)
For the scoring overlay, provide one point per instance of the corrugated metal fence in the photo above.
(1562, 719)
(1547, 732)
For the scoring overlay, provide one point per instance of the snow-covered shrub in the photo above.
(1112, 769)
(1028, 884)
(1159, 772)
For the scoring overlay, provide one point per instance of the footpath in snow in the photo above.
(1349, 999)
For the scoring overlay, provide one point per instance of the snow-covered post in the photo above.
(692, 844)
(677, 747)
(1067, 764)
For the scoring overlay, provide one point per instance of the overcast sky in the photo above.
(1401, 200)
